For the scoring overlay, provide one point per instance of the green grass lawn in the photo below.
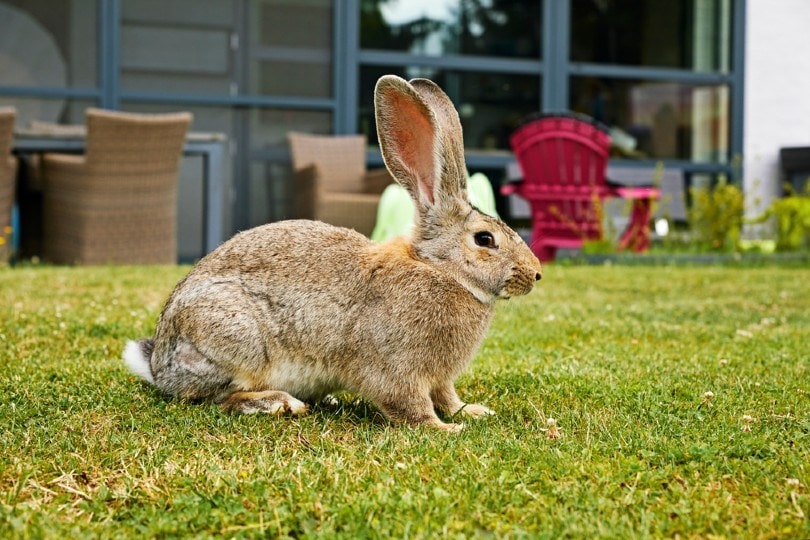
(622, 357)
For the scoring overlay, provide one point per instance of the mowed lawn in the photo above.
(681, 398)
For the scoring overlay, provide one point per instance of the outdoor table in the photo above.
(209, 146)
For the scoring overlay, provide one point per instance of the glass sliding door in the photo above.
(289, 48)
(486, 54)
(658, 71)
(687, 34)
(490, 105)
(287, 56)
(251, 69)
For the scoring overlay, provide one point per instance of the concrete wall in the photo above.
(777, 92)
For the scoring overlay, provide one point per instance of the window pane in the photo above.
(437, 27)
(52, 110)
(665, 119)
(290, 52)
(174, 46)
(47, 43)
(688, 34)
(490, 105)
(269, 127)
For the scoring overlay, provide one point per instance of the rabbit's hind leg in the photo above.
(446, 400)
(268, 402)
(415, 410)
(181, 370)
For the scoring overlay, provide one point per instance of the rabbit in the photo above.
(290, 312)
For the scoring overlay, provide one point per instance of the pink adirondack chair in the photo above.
(563, 159)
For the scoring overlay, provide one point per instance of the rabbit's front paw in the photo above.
(451, 428)
(268, 402)
(474, 410)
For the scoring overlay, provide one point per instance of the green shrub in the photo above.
(716, 216)
(792, 217)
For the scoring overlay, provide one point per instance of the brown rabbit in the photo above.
(290, 312)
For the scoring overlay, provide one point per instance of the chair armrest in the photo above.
(62, 170)
(356, 211)
(360, 200)
(67, 160)
(628, 192)
(63, 162)
(8, 169)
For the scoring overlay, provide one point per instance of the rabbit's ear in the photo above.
(414, 130)
(453, 181)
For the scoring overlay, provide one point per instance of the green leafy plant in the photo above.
(716, 216)
(603, 242)
(607, 239)
(792, 218)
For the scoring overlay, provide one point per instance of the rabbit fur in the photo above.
(289, 312)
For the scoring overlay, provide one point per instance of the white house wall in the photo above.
(777, 92)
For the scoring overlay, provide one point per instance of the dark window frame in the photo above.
(554, 69)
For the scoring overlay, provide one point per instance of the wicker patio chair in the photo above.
(118, 202)
(332, 183)
(8, 179)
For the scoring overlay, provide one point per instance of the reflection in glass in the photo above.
(687, 34)
(508, 28)
(490, 105)
(665, 119)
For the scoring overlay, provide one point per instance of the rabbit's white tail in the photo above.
(137, 355)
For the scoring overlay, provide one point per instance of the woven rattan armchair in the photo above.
(332, 183)
(118, 202)
(8, 179)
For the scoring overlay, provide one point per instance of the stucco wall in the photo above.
(777, 92)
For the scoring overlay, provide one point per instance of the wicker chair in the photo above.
(332, 183)
(8, 179)
(118, 202)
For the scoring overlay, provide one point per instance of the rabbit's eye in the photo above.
(485, 239)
